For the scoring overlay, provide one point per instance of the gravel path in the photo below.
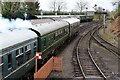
(109, 59)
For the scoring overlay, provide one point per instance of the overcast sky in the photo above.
(106, 4)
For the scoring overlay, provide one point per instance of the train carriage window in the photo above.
(28, 52)
(56, 34)
(44, 42)
(27, 48)
(48, 41)
(19, 60)
(28, 55)
(19, 56)
(52, 38)
(59, 32)
(19, 52)
(9, 61)
(65, 30)
(35, 50)
(35, 44)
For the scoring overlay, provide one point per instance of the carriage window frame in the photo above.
(66, 30)
(35, 47)
(20, 52)
(35, 50)
(49, 40)
(17, 52)
(44, 42)
(56, 34)
(35, 44)
(9, 56)
(21, 56)
(52, 39)
(28, 53)
(61, 32)
(27, 47)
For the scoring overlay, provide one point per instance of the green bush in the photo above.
(62, 13)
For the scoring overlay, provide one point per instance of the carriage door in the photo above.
(7, 67)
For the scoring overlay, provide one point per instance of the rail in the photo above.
(107, 46)
(92, 57)
(91, 32)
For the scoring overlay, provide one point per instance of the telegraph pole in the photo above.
(104, 20)
(86, 11)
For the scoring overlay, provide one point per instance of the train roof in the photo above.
(71, 20)
(49, 27)
(52, 16)
(10, 38)
(40, 21)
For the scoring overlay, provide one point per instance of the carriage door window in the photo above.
(19, 56)
(35, 47)
(9, 61)
(28, 52)
(44, 42)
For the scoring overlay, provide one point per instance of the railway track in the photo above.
(83, 30)
(87, 65)
(107, 45)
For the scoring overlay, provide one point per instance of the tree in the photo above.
(81, 5)
(61, 5)
(9, 9)
(32, 7)
(57, 5)
(117, 5)
(13, 10)
(53, 5)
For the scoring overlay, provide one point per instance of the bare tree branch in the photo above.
(57, 5)
(81, 5)
(53, 5)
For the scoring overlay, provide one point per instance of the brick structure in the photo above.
(54, 63)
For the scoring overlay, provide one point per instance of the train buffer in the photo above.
(54, 63)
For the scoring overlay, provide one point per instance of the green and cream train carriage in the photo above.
(74, 25)
(18, 47)
(51, 35)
